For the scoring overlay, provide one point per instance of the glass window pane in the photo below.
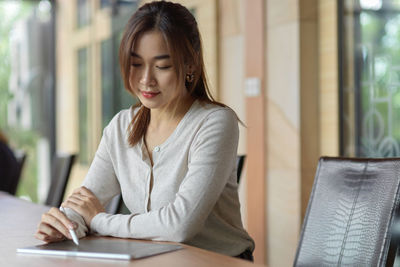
(83, 79)
(83, 13)
(114, 95)
(371, 79)
(105, 3)
(107, 82)
(123, 98)
(27, 91)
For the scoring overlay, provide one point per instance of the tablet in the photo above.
(102, 248)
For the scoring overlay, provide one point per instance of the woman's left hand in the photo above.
(84, 202)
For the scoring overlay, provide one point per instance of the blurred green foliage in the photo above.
(10, 13)
(380, 82)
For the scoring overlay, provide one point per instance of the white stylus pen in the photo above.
(71, 231)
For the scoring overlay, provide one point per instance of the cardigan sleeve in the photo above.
(100, 179)
(212, 160)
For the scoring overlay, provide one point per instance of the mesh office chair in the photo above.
(60, 171)
(349, 216)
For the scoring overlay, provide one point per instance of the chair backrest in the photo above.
(239, 163)
(11, 165)
(21, 158)
(114, 205)
(60, 171)
(352, 206)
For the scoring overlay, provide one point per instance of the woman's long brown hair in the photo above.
(180, 31)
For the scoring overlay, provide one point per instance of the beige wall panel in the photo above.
(232, 80)
(283, 70)
(66, 123)
(329, 123)
(283, 188)
(81, 38)
(230, 17)
(232, 94)
(283, 132)
(281, 12)
(102, 24)
(281, 251)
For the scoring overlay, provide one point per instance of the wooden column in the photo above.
(255, 121)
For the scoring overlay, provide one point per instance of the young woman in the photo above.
(172, 157)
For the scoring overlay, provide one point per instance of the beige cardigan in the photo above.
(194, 197)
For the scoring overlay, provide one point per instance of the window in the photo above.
(27, 90)
(83, 13)
(107, 96)
(105, 3)
(370, 83)
(83, 84)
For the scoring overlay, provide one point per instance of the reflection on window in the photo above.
(83, 79)
(114, 95)
(105, 3)
(371, 78)
(26, 90)
(83, 13)
(106, 82)
(123, 98)
(193, 11)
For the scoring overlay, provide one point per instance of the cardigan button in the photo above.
(157, 149)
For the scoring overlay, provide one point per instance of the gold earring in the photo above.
(189, 77)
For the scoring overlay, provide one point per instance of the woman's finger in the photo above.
(76, 190)
(49, 230)
(42, 236)
(47, 233)
(74, 199)
(55, 223)
(62, 217)
(46, 238)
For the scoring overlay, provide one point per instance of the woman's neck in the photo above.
(172, 114)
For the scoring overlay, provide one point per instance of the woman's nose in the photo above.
(147, 78)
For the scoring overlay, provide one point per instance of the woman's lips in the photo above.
(147, 94)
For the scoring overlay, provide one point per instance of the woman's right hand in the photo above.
(54, 226)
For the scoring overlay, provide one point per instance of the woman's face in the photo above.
(152, 75)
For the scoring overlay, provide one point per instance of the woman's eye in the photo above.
(163, 67)
(136, 65)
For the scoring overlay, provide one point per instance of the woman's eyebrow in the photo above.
(165, 56)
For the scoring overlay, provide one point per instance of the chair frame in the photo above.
(59, 184)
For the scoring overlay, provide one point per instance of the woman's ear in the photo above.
(189, 69)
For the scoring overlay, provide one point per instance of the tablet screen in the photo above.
(102, 248)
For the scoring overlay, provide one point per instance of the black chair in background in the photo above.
(239, 163)
(117, 205)
(11, 165)
(350, 213)
(21, 158)
(60, 171)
